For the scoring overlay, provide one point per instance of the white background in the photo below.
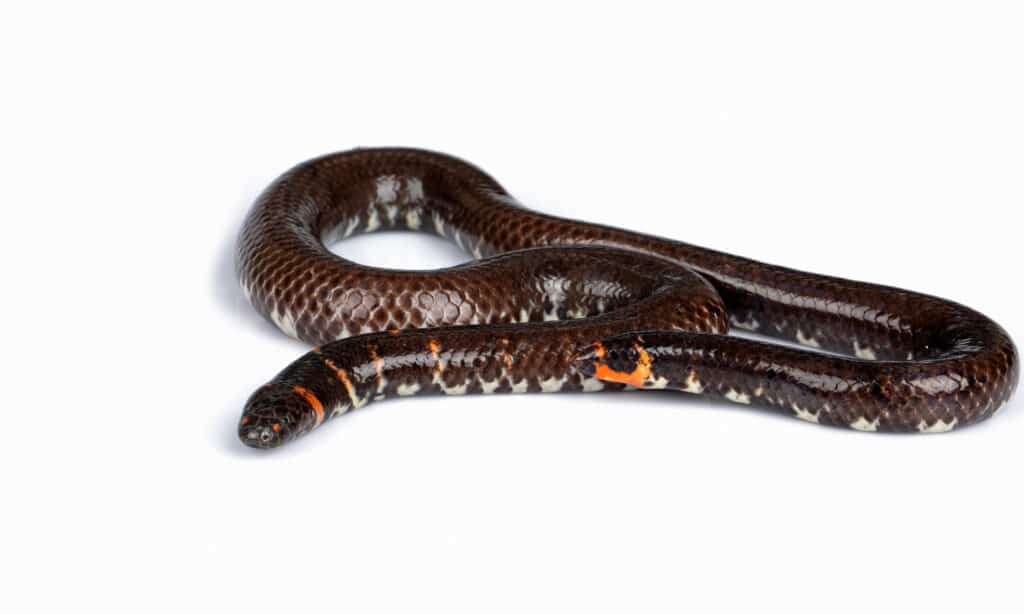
(874, 140)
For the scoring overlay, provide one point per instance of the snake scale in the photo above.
(552, 304)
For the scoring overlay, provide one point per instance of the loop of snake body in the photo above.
(552, 304)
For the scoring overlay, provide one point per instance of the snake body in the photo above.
(552, 304)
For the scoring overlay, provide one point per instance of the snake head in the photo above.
(278, 413)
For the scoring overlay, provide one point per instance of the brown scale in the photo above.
(554, 304)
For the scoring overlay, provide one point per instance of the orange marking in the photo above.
(313, 402)
(636, 378)
(435, 351)
(599, 349)
(276, 427)
(315, 350)
(394, 331)
(378, 363)
(344, 380)
(506, 356)
(245, 420)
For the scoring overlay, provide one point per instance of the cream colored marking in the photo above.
(339, 409)
(592, 384)
(414, 189)
(351, 226)
(759, 390)
(940, 426)
(391, 211)
(910, 356)
(693, 384)
(285, 322)
(412, 219)
(738, 397)
(387, 189)
(805, 414)
(350, 391)
(357, 402)
(552, 384)
(454, 390)
(379, 397)
(439, 225)
(808, 341)
(751, 324)
(659, 383)
(373, 221)
(522, 386)
(489, 387)
(864, 353)
(524, 315)
(863, 425)
(555, 294)
(405, 390)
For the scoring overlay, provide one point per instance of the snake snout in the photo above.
(277, 413)
(259, 436)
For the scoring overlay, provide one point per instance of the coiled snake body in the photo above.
(553, 304)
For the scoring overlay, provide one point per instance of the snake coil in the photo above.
(551, 304)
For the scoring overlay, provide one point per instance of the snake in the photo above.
(549, 304)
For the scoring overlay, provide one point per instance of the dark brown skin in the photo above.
(554, 304)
